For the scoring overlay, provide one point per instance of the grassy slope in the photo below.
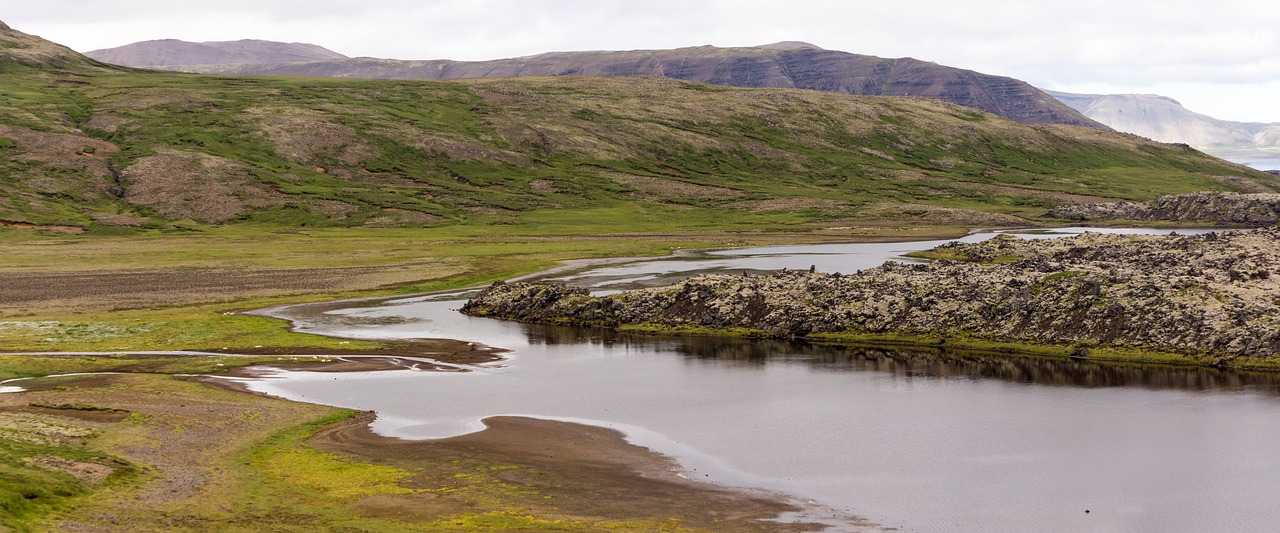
(179, 151)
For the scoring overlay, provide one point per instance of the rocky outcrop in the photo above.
(1204, 295)
(1259, 209)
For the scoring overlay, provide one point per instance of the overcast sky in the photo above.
(1218, 57)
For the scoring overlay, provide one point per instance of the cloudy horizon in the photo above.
(1218, 58)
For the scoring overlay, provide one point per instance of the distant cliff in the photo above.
(1209, 297)
(1164, 119)
(781, 65)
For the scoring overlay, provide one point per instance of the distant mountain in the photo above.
(173, 54)
(789, 64)
(1164, 119)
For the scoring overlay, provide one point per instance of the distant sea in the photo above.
(1260, 164)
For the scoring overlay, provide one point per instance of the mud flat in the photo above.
(1206, 299)
(588, 472)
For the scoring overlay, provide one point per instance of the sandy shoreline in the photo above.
(585, 471)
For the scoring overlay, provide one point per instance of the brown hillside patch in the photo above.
(311, 138)
(108, 122)
(394, 218)
(792, 204)
(153, 97)
(1058, 196)
(620, 124)
(333, 208)
(930, 214)
(115, 219)
(652, 187)
(197, 186)
(84, 160)
(455, 146)
(462, 150)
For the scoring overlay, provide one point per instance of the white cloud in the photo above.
(1228, 46)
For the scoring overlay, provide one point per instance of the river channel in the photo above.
(917, 439)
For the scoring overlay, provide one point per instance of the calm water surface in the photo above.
(1260, 164)
(925, 440)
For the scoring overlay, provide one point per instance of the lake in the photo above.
(920, 439)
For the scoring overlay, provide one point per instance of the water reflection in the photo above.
(921, 362)
(925, 438)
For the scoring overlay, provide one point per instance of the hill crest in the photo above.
(788, 64)
(171, 53)
(32, 51)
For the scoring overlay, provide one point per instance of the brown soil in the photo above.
(192, 185)
(385, 358)
(182, 435)
(126, 289)
(75, 230)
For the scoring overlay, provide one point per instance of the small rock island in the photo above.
(1210, 299)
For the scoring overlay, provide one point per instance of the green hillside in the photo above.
(85, 145)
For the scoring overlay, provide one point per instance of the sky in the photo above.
(1217, 57)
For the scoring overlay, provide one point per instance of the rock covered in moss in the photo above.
(1215, 293)
(1213, 207)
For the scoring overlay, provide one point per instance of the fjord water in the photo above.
(924, 440)
(1259, 164)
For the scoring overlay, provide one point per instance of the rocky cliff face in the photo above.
(780, 65)
(1258, 209)
(1164, 119)
(1211, 294)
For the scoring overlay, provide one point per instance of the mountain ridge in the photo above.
(170, 54)
(787, 64)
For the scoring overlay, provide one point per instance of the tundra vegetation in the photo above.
(139, 210)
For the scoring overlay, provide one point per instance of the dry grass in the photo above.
(186, 437)
(60, 164)
(666, 189)
(935, 214)
(194, 185)
(794, 204)
(29, 291)
(310, 137)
